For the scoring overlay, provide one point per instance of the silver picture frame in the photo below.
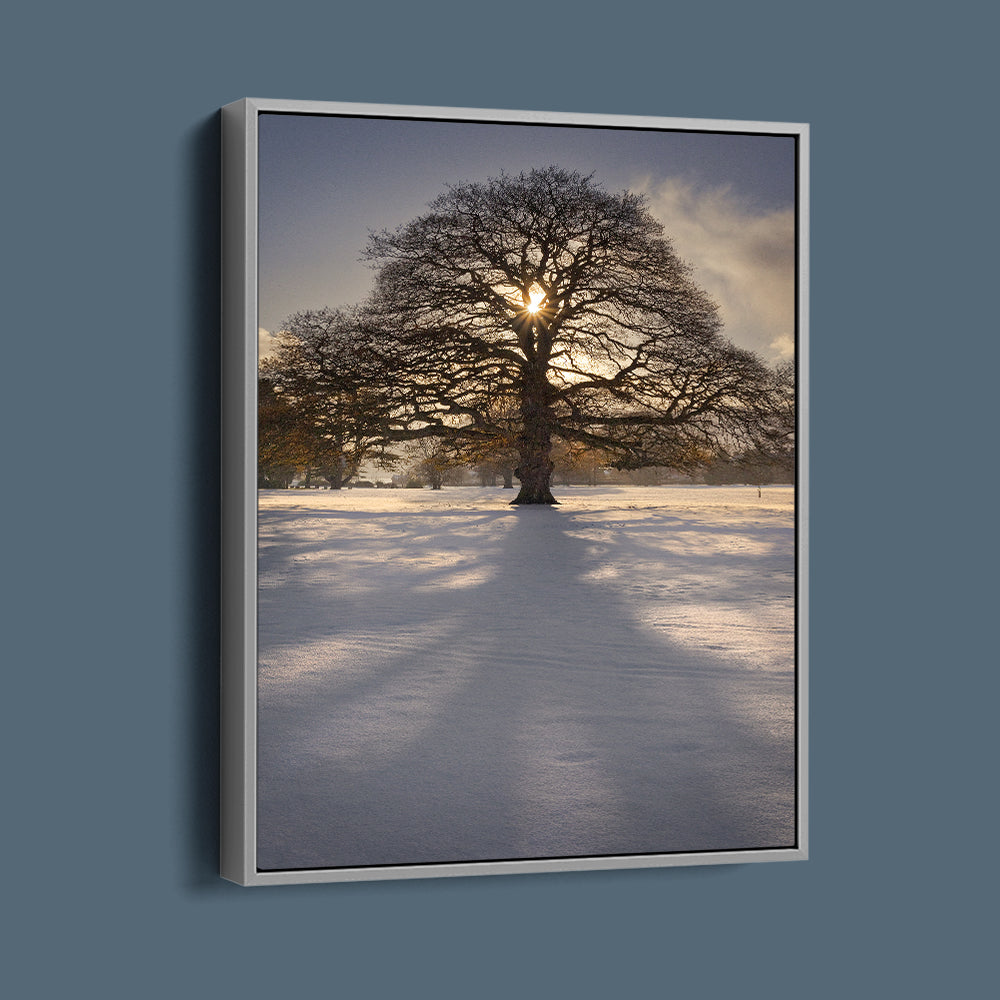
(239, 656)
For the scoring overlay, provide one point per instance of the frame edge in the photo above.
(238, 508)
(238, 462)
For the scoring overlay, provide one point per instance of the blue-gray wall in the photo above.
(110, 361)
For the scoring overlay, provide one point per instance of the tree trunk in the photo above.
(336, 475)
(535, 440)
(508, 479)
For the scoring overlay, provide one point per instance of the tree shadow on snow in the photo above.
(526, 714)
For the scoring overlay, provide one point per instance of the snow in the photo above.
(443, 677)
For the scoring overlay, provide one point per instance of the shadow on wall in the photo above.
(201, 274)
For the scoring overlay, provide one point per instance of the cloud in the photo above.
(743, 258)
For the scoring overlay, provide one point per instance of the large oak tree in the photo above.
(548, 289)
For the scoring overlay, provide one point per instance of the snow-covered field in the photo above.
(443, 677)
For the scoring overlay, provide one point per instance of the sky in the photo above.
(726, 200)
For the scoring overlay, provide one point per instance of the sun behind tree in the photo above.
(535, 299)
(570, 298)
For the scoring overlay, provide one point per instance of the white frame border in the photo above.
(239, 497)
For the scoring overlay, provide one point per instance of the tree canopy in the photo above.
(546, 290)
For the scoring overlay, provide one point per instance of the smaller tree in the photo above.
(327, 372)
(777, 440)
(283, 438)
(436, 464)
(489, 445)
(575, 462)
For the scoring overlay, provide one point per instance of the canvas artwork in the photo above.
(523, 405)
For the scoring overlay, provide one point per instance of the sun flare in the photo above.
(536, 297)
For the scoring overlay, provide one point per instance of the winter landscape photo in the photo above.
(528, 520)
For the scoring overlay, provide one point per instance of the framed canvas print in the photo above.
(514, 484)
